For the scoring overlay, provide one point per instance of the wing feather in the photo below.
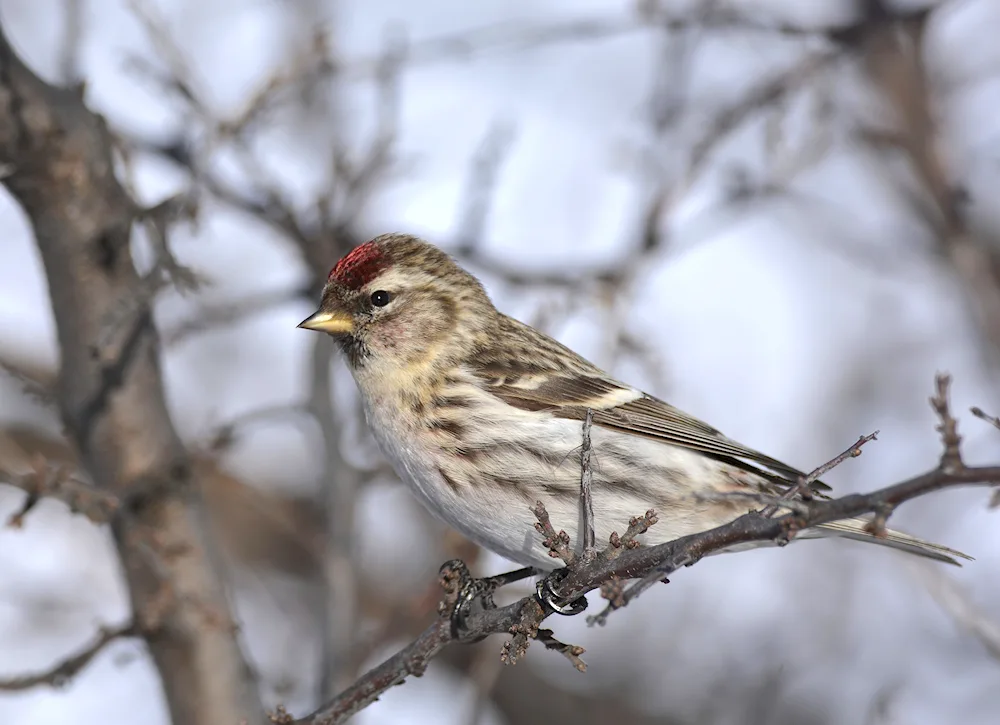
(565, 385)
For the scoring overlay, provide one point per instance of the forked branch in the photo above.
(63, 671)
(622, 560)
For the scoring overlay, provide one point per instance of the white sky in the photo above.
(794, 326)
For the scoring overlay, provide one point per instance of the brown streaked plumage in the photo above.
(482, 416)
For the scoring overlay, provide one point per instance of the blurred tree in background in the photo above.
(778, 215)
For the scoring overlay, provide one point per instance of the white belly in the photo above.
(485, 516)
(499, 517)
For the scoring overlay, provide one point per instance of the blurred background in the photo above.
(777, 215)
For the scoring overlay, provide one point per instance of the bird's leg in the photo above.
(551, 600)
(508, 577)
(471, 590)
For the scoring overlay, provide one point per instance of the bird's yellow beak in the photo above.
(334, 323)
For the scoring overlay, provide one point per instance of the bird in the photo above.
(482, 416)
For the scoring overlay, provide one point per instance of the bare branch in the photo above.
(480, 187)
(339, 488)
(586, 483)
(519, 36)
(991, 419)
(45, 481)
(557, 542)
(571, 652)
(215, 316)
(637, 526)
(60, 674)
(803, 486)
(524, 628)
(852, 452)
(158, 220)
(522, 618)
(764, 95)
(227, 434)
(951, 456)
(37, 380)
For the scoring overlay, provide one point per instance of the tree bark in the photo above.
(59, 166)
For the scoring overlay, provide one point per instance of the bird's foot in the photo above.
(547, 595)
(470, 590)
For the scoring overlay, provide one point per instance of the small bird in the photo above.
(483, 415)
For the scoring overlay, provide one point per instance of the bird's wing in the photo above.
(561, 383)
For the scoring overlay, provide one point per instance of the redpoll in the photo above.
(482, 416)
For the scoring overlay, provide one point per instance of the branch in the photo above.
(223, 315)
(58, 675)
(893, 50)
(36, 379)
(481, 185)
(319, 236)
(339, 486)
(512, 37)
(995, 422)
(110, 390)
(327, 234)
(57, 483)
(557, 542)
(951, 456)
(991, 419)
(803, 486)
(624, 559)
(586, 482)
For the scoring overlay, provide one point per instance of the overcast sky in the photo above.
(794, 324)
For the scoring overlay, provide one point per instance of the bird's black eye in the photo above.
(380, 298)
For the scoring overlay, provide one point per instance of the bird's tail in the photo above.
(855, 529)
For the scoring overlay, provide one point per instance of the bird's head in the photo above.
(399, 302)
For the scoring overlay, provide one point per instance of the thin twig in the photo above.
(37, 381)
(571, 652)
(758, 98)
(496, 38)
(524, 629)
(339, 486)
(158, 221)
(61, 673)
(951, 441)
(637, 526)
(557, 542)
(768, 500)
(995, 422)
(803, 486)
(586, 483)
(57, 483)
(852, 452)
(480, 188)
(226, 314)
(225, 435)
(991, 419)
